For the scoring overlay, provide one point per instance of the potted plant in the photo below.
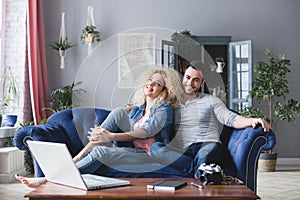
(62, 98)
(61, 46)
(3, 105)
(219, 59)
(10, 99)
(270, 86)
(220, 64)
(89, 33)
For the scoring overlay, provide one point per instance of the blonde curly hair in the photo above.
(171, 93)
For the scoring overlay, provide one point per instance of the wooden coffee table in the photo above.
(137, 190)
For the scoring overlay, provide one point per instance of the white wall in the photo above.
(15, 46)
(270, 24)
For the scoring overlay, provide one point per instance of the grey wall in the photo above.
(270, 24)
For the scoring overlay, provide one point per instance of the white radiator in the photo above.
(11, 162)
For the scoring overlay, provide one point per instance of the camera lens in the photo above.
(203, 179)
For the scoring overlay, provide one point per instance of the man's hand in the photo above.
(243, 122)
(264, 124)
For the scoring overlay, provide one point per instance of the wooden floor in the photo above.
(281, 184)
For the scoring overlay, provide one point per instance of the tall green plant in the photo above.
(62, 98)
(271, 86)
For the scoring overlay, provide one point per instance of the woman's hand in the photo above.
(100, 135)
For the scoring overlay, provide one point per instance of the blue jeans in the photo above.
(110, 156)
(116, 121)
(187, 160)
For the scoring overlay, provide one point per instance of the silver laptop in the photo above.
(57, 164)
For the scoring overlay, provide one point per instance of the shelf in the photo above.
(7, 132)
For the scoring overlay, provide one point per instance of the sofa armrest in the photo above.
(244, 147)
(45, 132)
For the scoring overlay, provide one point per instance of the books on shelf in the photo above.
(167, 185)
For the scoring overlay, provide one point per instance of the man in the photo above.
(198, 122)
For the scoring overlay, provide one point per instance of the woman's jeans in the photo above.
(187, 160)
(111, 155)
(117, 121)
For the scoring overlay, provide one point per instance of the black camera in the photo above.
(211, 174)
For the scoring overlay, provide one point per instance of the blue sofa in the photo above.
(71, 127)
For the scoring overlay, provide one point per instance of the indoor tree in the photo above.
(270, 87)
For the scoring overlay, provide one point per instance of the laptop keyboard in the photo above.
(91, 180)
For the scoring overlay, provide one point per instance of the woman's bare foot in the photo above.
(31, 182)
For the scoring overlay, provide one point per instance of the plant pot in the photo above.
(90, 38)
(267, 162)
(220, 67)
(9, 120)
(62, 53)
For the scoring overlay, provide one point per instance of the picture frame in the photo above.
(169, 54)
(135, 52)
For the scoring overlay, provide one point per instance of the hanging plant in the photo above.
(89, 32)
(63, 44)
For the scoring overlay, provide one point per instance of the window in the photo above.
(2, 6)
(240, 75)
(13, 49)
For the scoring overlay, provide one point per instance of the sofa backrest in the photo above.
(78, 121)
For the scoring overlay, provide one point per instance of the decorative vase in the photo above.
(220, 66)
(9, 120)
(267, 162)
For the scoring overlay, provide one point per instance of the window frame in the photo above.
(232, 62)
(2, 36)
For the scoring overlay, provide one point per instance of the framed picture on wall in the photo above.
(169, 54)
(135, 52)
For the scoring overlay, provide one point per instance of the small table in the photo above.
(137, 190)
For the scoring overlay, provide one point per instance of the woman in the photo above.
(146, 122)
(149, 121)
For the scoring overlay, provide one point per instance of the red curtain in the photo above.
(37, 60)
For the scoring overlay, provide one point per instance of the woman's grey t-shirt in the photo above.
(200, 120)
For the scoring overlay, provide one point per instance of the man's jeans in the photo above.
(187, 160)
